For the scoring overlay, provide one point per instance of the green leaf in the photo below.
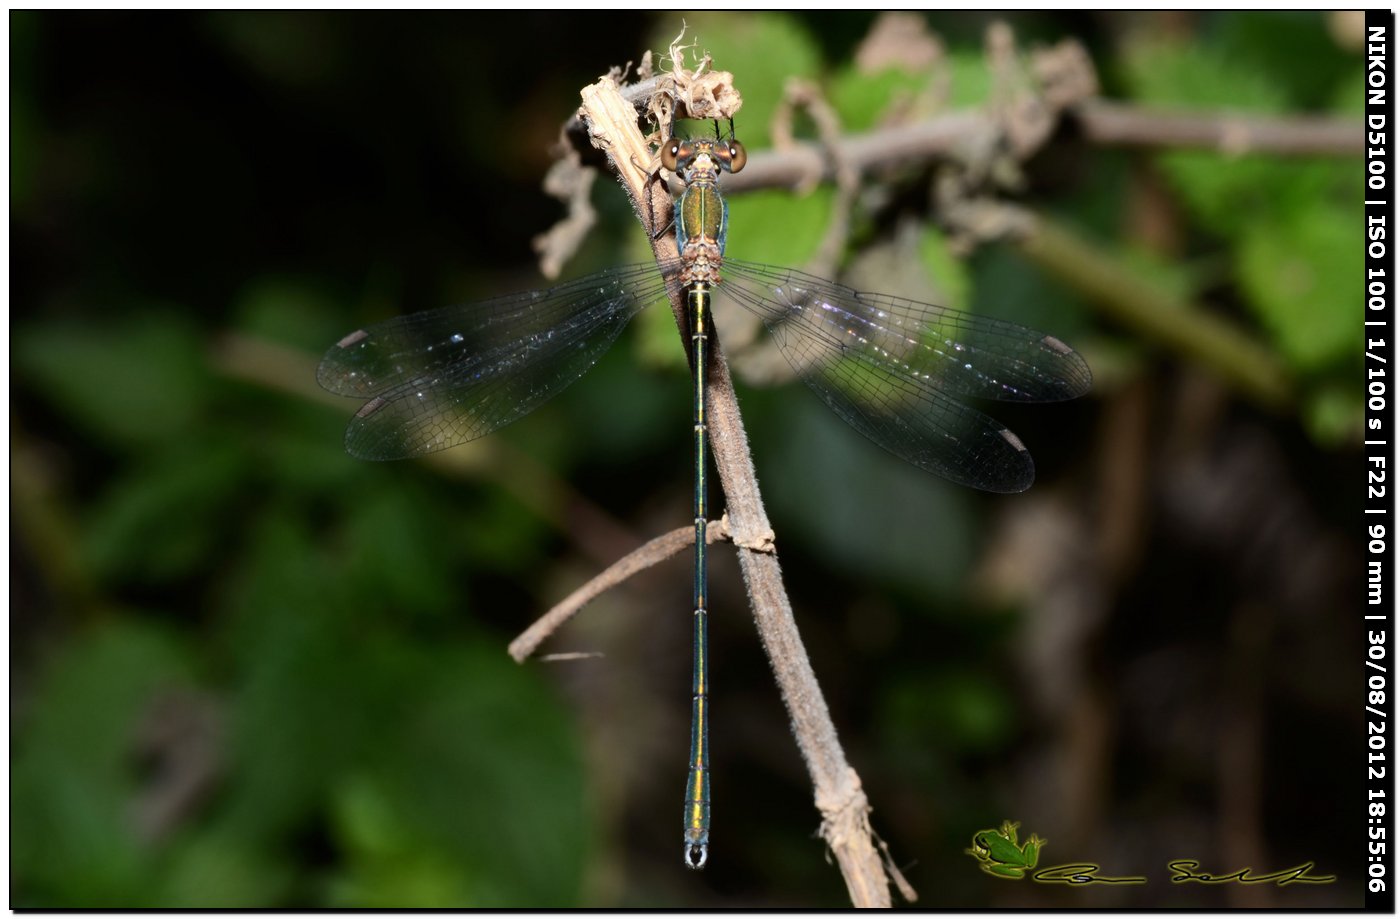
(396, 550)
(1334, 414)
(304, 690)
(1177, 280)
(1349, 98)
(216, 869)
(658, 344)
(389, 864)
(292, 311)
(861, 99)
(165, 518)
(962, 711)
(777, 227)
(133, 383)
(627, 409)
(912, 262)
(970, 79)
(902, 525)
(1192, 76)
(300, 447)
(75, 843)
(949, 272)
(478, 802)
(1301, 278)
(1006, 286)
(1294, 49)
(1223, 191)
(25, 124)
(499, 536)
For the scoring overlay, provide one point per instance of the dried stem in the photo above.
(1230, 133)
(961, 134)
(653, 552)
(612, 126)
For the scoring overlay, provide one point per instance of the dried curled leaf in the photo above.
(700, 94)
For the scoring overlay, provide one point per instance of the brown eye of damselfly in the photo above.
(734, 156)
(672, 153)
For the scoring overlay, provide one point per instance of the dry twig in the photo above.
(652, 553)
(1230, 133)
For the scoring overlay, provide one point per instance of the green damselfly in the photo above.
(894, 369)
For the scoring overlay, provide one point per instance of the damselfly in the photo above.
(893, 369)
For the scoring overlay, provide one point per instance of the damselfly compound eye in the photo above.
(669, 152)
(735, 156)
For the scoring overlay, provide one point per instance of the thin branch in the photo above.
(652, 553)
(957, 134)
(1102, 121)
(612, 125)
(1229, 133)
(960, 134)
(646, 556)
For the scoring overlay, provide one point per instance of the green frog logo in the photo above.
(1000, 855)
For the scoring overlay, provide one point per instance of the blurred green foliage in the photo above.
(1290, 225)
(201, 203)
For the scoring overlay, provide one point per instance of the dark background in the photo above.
(250, 671)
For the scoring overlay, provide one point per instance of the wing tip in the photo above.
(338, 372)
(1080, 379)
(358, 440)
(1019, 472)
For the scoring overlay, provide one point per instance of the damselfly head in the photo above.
(678, 155)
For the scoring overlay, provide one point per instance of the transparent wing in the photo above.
(890, 368)
(960, 353)
(443, 377)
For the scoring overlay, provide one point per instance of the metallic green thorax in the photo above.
(700, 230)
(702, 215)
(702, 219)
